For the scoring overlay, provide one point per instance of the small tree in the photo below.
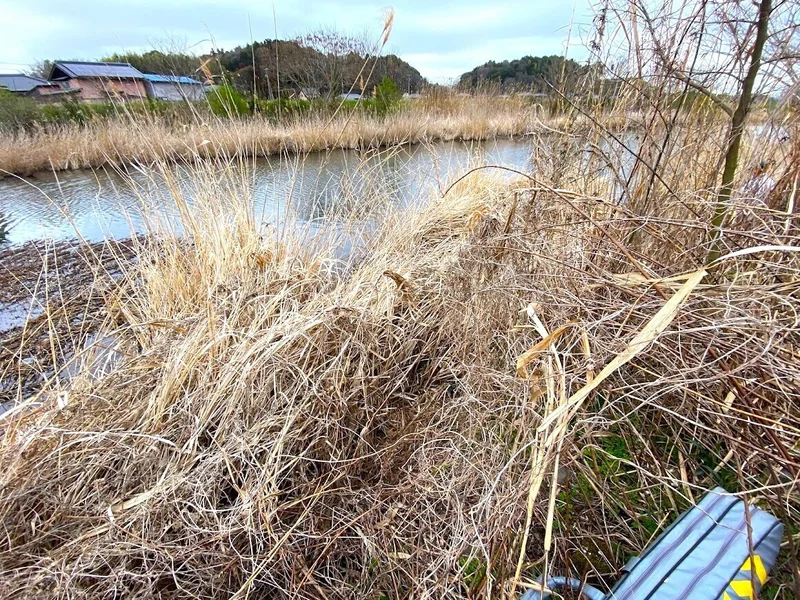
(227, 102)
(41, 68)
(17, 112)
(387, 97)
(728, 52)
(738, 120)
(327, 68)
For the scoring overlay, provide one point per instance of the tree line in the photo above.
(319, 64)
(530, 73)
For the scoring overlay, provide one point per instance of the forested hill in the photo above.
(532, 73)
(325, 64)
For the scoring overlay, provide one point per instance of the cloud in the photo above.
(445, 67)
(461, 21)
(442, 40)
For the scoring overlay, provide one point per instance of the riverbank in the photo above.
(52, 302)
(143, 141)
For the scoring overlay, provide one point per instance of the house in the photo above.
(174, 88)
(33, 87)
(19, 83)
(309, 93)
(100, 82)
(306, 94)
(349, 96)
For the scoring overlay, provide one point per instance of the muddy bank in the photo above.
(52, 302)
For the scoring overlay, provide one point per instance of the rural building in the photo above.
(350, 96)
(174, 88)
(308, 93)
(100, 82)
(33, 87)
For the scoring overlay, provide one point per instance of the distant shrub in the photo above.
(16, 111)
(386, 100)
(350, 105)
(227, 102)
(287, 108)
(70, 111)
(149, 107)
(80, 113)
(387, 97)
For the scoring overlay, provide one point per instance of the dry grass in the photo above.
(124, 140)
(143, 141)
(285, 424)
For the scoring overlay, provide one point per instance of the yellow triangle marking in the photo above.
(761, 572)
(744, 589)
(726, 596)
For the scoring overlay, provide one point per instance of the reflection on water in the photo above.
(105, 204)
(4, 228)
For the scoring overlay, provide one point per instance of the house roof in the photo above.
(71, 69)
(180, 79)
(17, 82)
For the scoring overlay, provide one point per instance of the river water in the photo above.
(103, 204)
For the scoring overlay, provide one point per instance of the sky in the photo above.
(441, 39)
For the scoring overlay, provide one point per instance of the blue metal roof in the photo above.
(95, 69)
(17, 82)
(180, 79)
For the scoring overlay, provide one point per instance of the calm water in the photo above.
(103, 204)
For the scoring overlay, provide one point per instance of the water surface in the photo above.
(103, 204)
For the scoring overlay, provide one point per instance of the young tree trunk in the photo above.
(737, 128)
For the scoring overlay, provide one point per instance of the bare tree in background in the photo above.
(177, 56)
(729, 52)
(41, 68)
(338, 51)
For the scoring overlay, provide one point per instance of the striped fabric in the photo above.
(721, 549)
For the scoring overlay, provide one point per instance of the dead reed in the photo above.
(145, 141)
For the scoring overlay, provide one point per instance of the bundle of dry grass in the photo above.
(514, 377)
(336, 416)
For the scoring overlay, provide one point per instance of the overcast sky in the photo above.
(441, 39)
